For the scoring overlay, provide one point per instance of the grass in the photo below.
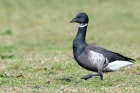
(36, 45)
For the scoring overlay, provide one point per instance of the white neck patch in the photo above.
(83, 25)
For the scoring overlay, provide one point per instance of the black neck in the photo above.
(79, 42)
(81, 34)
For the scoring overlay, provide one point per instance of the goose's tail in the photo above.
(121, 57)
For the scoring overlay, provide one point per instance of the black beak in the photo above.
(72, 21)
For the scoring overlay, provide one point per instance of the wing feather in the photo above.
(111, 56)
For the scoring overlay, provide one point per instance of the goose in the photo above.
(92, 57)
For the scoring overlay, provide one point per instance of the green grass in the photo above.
(36, 45)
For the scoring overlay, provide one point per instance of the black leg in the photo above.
(101, 76)
(87, 76)
(90, 75)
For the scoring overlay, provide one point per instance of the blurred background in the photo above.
(43, 26)
(38, 33)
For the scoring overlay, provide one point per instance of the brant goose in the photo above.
(92, 57)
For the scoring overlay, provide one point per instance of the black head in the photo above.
(80, 18)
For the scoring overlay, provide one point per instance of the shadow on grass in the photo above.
(70, 79)
(67, 79)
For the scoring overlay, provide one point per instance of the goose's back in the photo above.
(111, 56)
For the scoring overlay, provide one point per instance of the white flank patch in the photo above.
(116, 65)
(83, 25)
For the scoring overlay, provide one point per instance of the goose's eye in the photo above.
(78, 16)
